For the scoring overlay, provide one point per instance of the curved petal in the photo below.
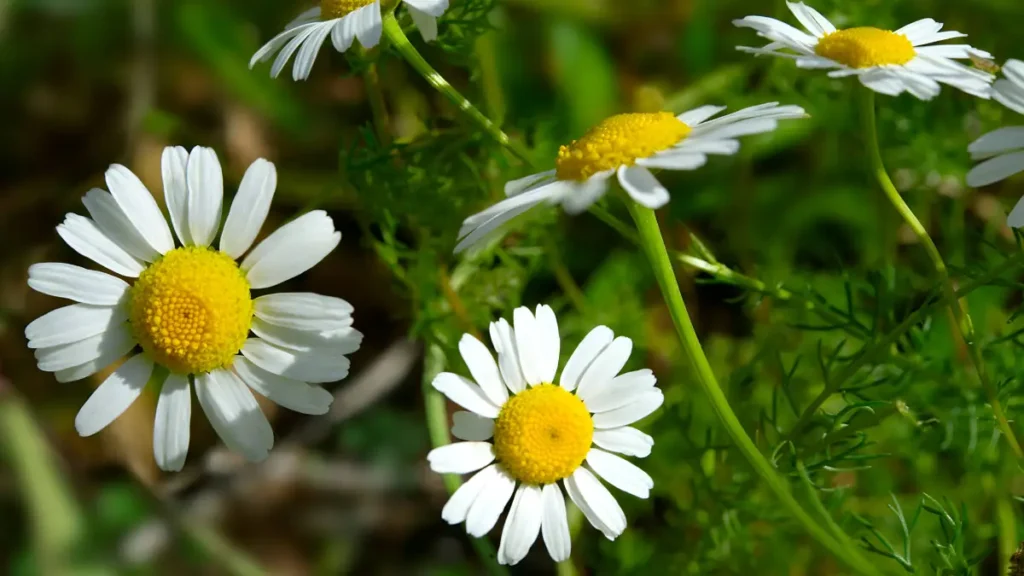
(622, 390)
(996, 169)
(309, 366)
(304, 311)
(486, 509)
(301, 33)
(483, 368)
(625, 440)
(58, 358)
(310, 48)
(425, 23)
(811, 19)
(550, 342)
(471, 427)
(555, 523)
(173, 164)
(644, 405)
(457, 507)
(234, 414)
(205, 195)
(116, 225)
(111, 347)
(998, 141)
(343, 341)
(465, 393)
(275, 43)
(504, 342)
(694, 117)
(529, 342)
(76, 283)
(72, 324)
(368, 24)
(291, 250)
(461, 457)
(589, 348)
(1016, 217)
(479, 225)
(435, 8)
(643, 187)
(291, 394)
(522, 526)
(84, 237)
(604, 368)
(114, 396)
(249, 209)
(620, 473)
(528, 183)
(172, 425)
(596, 503)
(141, 208)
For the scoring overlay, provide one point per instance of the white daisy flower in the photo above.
(627, 146)
(1003, 149)
(345, 21)
(885, 61)
(524, 430)
(189, 308)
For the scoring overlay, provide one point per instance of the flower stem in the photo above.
(960, 317)
(378, 107)
(398, 39)
(654, 245)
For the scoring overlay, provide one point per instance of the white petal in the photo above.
(433, 7)
(994, 142)
(114, 396)
(309, 366)
(116, 225)
(504, 341)
(275, 43)
(555, 524)
(310, 48)
(527, 183)
(461, 457)
(249, 209)
(811, 19)
(76, 283)
(604, 368)
(950, 51)
(343, 341)
(645, 404)
(291, 394)
(173, 164)
(883, 81)
(1014, 71)
(694, 117)
(478, 226)
(291, 250)
(625, 440)
(457, 507)
(305, 17)
(368, 24)
(471, 427)
(590, 347)
(234, 414)
(643, 187)
(622, 390)
(67, 356)
(620, 473)
(465, 393)
(778, 31)
(550, 343)
(72, 324)
(482, 367)
(596, 502)
(171, 428)
(425, 23)
(205, 195)
(996, 169)
(140, 207)
(529, 343)
(674, 161)
(705, 146)
(304, 311)
(301, 33)
(920, 29)
(523, 525)
(111, 347)
(1009, 94)
(343, 33)
(486, 509)
(1016, 217)
(583, 196)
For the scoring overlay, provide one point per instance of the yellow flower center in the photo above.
(619, 141)
(331, 9)
(866, 47)
(542, 434)
(190, 310)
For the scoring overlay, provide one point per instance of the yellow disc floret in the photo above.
(542, 434)
(191, 310)
(866, 47)
(331, 9)
(619, 141)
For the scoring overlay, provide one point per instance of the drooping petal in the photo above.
(171, 428)
(457, 507)
(555, 524)
(234, 414)
(369, 24)
(487, 507)
(596, 503)
(114, 396)
(310, 48)
(522, 526)
(620, 473)
(643, 187)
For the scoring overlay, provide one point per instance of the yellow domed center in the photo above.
(619, 141)
(866, 47)
(190, 310)
(331, 9)
(542, 434)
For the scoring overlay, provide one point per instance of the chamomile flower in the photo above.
(526, 437)
(189, 309)
(888, 62)
(1003, 149)
(627, 147)
(345, 21)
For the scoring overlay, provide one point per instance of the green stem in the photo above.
(1006, 521)
(378, 107)
(654, 245)
(398, 39)
(437, 427)
(961, 319)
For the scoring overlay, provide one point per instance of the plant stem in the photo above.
(654, 245)
(398, 39)
(960, 317)
(1006, 522)
(437, 427)
(378, 107)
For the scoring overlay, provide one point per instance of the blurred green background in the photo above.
(85, 83)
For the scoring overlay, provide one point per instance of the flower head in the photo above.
(190, 308)
(525, 435)
(344, 21)
(889, 62)
(627, 146)
(1003, 150)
